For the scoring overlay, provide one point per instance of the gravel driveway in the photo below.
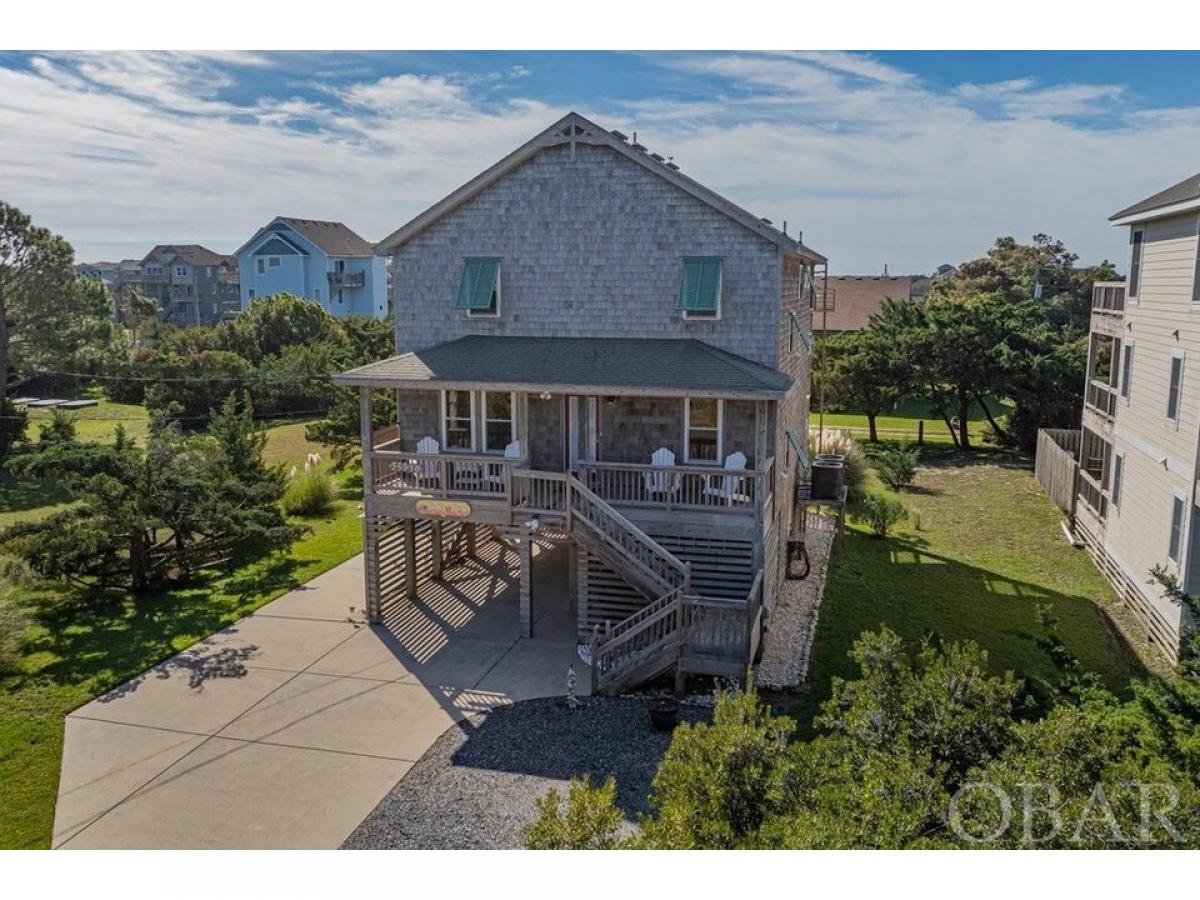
(478, 785)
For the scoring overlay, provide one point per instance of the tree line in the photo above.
(1012, 324)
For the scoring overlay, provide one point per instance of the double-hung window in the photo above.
(458, 420)
(1196, 271)
(702, 429)
(1176, 540)
(1126, 370)
(700, 287)
(479, 289)
(1136, 239)
(1175, 388)
(1118, 474)
(499, 423)
(262, 265)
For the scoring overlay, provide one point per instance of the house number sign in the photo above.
(444, 509)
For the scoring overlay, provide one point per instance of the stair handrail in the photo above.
(682, 570)
(610, 650)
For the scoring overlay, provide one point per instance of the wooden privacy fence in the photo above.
(1057, 464)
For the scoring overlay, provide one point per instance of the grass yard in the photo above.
(78, 651)
(901, 423)
(986, 551)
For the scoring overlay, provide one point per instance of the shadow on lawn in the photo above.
(101, 639)
(19, 494)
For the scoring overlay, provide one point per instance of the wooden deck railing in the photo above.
(1108, 296)
(441, 474)
(1101, 397)
(680, 487)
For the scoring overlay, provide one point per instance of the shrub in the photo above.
(14, 622)
(855, 465)
(13, 420)
(588, 820)
(881, 513)
(310, 493)
(897, 466)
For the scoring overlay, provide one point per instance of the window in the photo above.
(702, 427)
(208, 271)
(498, 424)
(273, 262)
(317, 294)
(1136, 238)
(180, 271)
(1196, 273)
(1176, 529)
(479, 290)
(1126, 371)
(339, 266)
(1174, 387)
(700, 287)
(458, 420)
(251, 293)
(1118, 473)
(262, 266)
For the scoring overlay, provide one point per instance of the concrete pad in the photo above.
(274, 642)
(105, 762)
(348, 715)
(537, 668)
(174, 696)
(231, 794)
(336, 596)
(433, 659)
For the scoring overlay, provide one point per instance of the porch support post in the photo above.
(761, 452)
(438, 559)
(523, 423)
(370, 534)
(410, 559)
(525, 545)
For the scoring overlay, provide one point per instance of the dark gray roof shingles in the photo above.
(631, 363)
(1188, 189)
(334, 238)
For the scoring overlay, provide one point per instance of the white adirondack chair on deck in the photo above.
(730, 487)
(496, 472)
(661, 482)
(428, 469)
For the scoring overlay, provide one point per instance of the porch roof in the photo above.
(633, 366)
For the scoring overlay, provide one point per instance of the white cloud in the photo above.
(121, 151)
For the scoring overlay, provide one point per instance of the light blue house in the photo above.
(324, 262)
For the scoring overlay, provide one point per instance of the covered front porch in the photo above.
(663, 429)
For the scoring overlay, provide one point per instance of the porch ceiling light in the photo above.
(544, 395)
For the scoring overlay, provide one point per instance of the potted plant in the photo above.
(664, 713)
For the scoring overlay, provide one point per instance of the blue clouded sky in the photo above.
(905, 158)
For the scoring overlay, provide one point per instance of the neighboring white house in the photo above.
(1139, 456)
(324, 262)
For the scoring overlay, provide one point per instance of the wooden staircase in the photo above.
(676, 626)
(647, 643)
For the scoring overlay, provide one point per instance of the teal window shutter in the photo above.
(700, 284)
(477, 290)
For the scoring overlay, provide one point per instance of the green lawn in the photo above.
(78, 651)
(988, 550)
(902, 422)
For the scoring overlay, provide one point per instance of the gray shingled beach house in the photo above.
(593, 348)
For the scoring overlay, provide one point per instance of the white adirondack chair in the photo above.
(729, 488)
(496, 472)
(428, 468)
(661, 482)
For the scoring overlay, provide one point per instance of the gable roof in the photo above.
(854, 299)
(191, 254)
(1177, 198)
(641, 366)
(334, 238)
(331, 238)
(574, 128)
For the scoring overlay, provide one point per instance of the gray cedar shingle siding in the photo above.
(591, 246)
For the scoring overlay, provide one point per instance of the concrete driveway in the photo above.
(286, 729)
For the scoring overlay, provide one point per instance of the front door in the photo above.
(582, 427)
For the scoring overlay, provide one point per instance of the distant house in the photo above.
(192, 284)
(108, 272)
(849, 301)
(322, 261)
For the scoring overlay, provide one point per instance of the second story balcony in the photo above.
(347, 280)
(1108, 297)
